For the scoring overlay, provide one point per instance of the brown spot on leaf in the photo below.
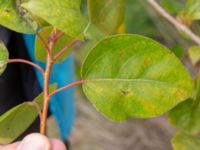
(125, 92)
(146, 61)
(121, 54)
(7, 10)
(179, 93)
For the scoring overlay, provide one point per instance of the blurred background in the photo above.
(94, 132)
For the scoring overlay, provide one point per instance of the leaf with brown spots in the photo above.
(134, 76)
(65, 15)
(10, 18)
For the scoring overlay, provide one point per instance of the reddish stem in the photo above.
(43, 42)
(26, 62)
(67, 87)
(40, 25)
(64, 49)
(46, 95)
(60, 34)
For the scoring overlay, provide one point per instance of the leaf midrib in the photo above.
(135, 80)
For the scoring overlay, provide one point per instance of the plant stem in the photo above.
(67, 87)
(59, 35)
(173, 21)
(44, 43)
(26, 62)
(64, 49)
(47, 98)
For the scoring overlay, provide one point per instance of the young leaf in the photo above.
(134, 76)
(185, 116)
(63, 14)
(12, 18)
(184, 141)
(194, 54)
(192, 9)
(3, 57)
(106, 15)
(18, 119)
(40, 51)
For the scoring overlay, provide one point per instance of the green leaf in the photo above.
(192, 9)
(40, 51)
(15, 121)
(92, 32)
(63, 14)
(14, 18)
(106, 15)
(184, 141)
(3, 57)
(178, 51)
(18, 119)
(194, 54)
(134, 76)
(185, 116)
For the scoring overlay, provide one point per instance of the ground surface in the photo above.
(94, 132)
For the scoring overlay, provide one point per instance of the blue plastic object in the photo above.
(62, 104)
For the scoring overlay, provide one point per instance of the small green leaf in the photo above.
(40, 51)
(192, 9)
(106, 15)
(184, 141)
(63, 14)
(185, 116)
(18, 119)
(134, 76)
(12, 17)
(15, 121)
(194, 54)
(3, 57)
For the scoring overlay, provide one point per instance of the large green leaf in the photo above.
(14, 18)
(184, 141)
(134, 76)
(185, 116)
(63, 14)
(18, 119)
(106, 15)
(41, 52)
(3, 57)
(192, 9)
